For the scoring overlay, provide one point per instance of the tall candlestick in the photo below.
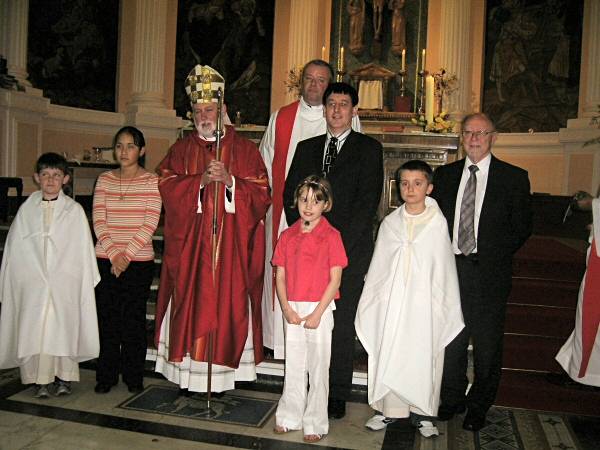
(323, 53)
(429, 98)
(403, 67)
(423, 61)
(341, 65)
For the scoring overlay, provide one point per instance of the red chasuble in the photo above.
(199, 305)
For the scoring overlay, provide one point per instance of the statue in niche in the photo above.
(356, 11)
(378, 6)
(398, 26)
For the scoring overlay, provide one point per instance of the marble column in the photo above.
(149, 55)
(303, 35)
(455, 53)
(13, 38)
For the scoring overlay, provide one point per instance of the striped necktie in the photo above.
(466, 225)
(330, 155)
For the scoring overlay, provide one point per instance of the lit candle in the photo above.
(403, 60)
(323, 53)
(423, 61)
(429, 98)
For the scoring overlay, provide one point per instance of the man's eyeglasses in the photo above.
(480, 133)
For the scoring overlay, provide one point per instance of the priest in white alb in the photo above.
(580, 356)
(300, 120)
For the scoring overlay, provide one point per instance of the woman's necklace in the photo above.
(121, 193)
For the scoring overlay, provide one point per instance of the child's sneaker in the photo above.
(62, 387)
(378, 422)
(427, 429)
(41, 391)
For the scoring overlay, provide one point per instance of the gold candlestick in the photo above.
(402, 74)
(421, 108)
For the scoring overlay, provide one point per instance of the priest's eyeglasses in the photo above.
(479, 134)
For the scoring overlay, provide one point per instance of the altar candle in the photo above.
(423, 61)
(403, 60)
(323, 53)
(429, 98)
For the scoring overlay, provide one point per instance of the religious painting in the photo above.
(374, 34)
(236, 39)
(532, 63)
(72, 51)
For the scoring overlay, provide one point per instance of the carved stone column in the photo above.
(302, 29)
(303, 46)
(455, 52)
(14, 19)
(146, 67)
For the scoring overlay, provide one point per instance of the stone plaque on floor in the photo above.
(228, 408)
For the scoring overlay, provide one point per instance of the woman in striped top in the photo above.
(126, 212)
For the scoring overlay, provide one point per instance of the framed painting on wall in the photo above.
(532, 63)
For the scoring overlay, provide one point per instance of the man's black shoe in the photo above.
(135, 388)
(473, 421)
(336, 408)
(446, 413)
(103, 388)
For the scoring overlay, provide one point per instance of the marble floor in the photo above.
(85, 420)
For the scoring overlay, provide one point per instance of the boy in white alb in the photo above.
(309, 258)
(409, 309)
(48, 322)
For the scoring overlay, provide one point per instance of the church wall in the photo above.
(580, 172)
(546, 171)
(156, 149)
(28, 136)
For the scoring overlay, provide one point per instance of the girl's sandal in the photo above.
(280, 430)
(312, 438)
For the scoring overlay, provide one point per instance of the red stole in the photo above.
(590, 314)
(284, 125)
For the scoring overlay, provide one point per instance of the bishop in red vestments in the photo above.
(195, 300)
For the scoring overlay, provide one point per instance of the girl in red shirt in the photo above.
(309, 258)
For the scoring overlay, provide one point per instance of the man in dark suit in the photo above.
(488, 208)
(353, 164)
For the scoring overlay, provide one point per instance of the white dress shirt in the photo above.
(482, 177)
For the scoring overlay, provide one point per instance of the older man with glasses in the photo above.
(487, 204)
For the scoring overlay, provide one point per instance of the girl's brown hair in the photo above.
(320, 187)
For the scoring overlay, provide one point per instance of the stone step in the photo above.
(535, 320)
(543, 292)
(531, 353)
(549, 258)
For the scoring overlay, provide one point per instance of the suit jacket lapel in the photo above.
(493, 185)
(453, 191)
(318, 153)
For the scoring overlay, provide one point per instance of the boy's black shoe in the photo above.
(336, 408)
(446, 413)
